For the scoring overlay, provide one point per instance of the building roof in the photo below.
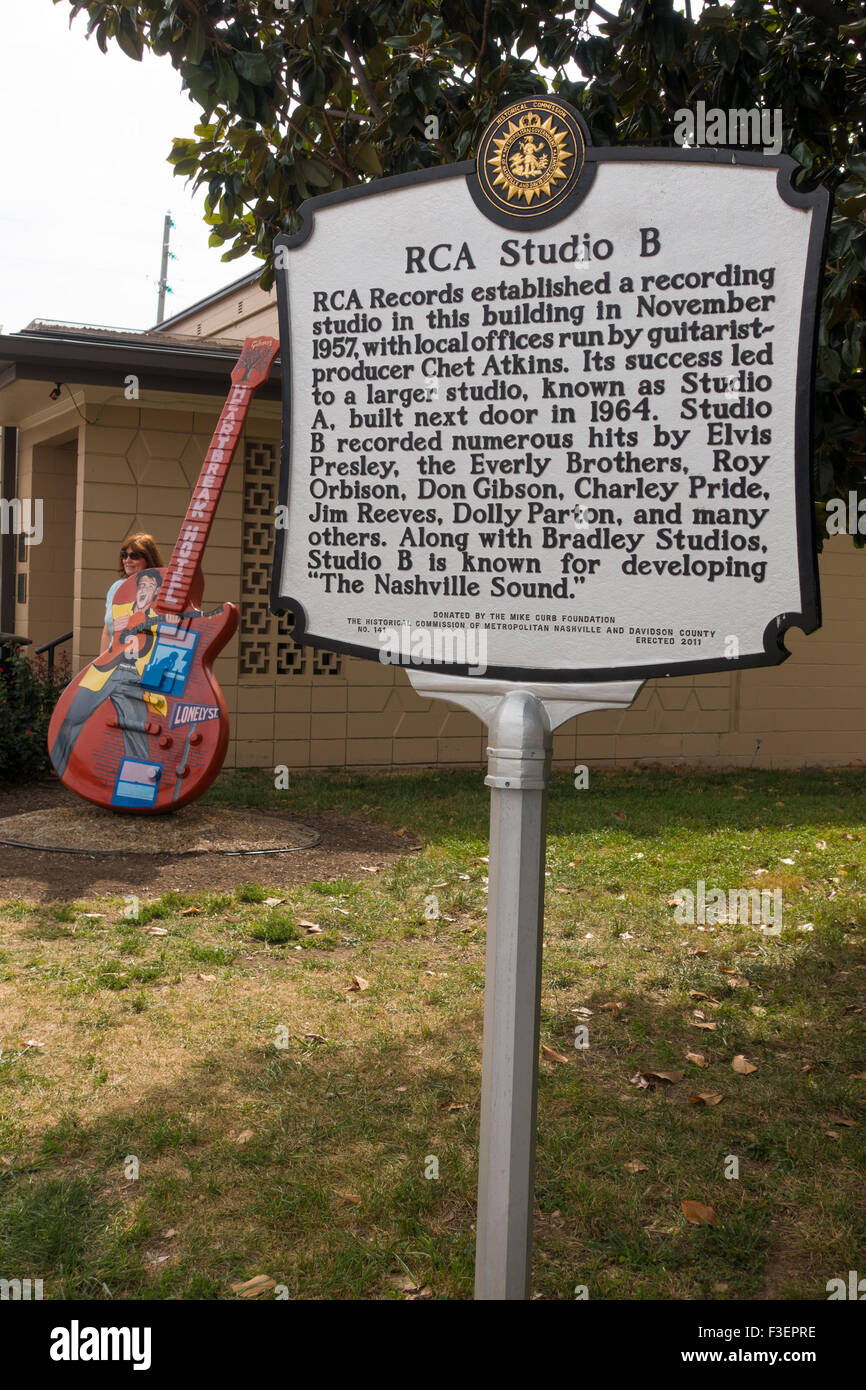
(224, 293)
(86, 356)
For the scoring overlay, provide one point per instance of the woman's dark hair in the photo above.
(145, 546)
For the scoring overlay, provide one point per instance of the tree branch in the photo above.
(347, 170)
(360, 72)
(481, 47)
(831, 15)
(194, 8)
(605, 14)
(317, 150)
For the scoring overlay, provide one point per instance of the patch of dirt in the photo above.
(784, 1266)
(347, 846)
(191, 830)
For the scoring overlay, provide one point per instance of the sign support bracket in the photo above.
(521, 724)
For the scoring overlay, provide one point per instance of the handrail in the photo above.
(49, 648)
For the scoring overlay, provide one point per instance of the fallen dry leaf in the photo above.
(670, 1076)
(701, 951)
(858, 1075)
(551, 1054)
(302, 922)
(706, 1098)
(708, 1027)
(840, 1120)
(698, 1214)
(156, 931)
(350, 1197)
(200, 976)
(359, 983)
(454, 1105)
(168, 1235)
(94, 915)
(273, 902)
(635, 1166)
(698, 1058)
(741, 1066)
(190, 912)
(612, 1007)
(255, 1287)
(372, 868)
(245, 1136)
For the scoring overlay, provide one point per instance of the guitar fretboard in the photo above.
(194, 532)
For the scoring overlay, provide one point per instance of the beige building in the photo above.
(109, 429)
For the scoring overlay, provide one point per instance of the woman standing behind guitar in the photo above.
(137, 553)
(117, 679)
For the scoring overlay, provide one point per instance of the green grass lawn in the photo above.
(196, 1098)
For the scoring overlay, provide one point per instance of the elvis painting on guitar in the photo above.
(144, 727)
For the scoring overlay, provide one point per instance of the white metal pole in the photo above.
(519, 771)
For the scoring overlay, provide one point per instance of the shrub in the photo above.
(28, 695)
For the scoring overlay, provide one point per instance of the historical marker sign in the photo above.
(560, 395)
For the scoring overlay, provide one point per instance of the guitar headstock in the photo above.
(255, 362)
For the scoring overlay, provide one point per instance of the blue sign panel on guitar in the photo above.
(168, 668)
(137, 784)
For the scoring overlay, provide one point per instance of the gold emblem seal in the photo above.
(530, 158)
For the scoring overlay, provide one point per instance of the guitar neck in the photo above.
(192, 538)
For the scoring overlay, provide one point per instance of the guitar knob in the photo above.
(195, 739)
(165, 741)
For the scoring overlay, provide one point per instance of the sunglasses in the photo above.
(131, 555)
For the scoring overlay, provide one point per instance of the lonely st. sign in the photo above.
(558, 396)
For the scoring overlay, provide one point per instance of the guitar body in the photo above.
(144, 727)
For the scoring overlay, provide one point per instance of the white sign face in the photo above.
(580, 450)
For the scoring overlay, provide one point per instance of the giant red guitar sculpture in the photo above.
(144, 727)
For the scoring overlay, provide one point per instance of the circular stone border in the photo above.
(226, 830)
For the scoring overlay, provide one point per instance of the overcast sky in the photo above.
(84, 139)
